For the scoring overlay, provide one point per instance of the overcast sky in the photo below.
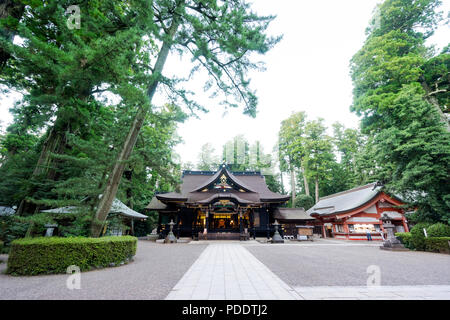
(307, 71)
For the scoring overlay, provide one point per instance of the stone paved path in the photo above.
(434, 292)
(231, 272)
(228, 271)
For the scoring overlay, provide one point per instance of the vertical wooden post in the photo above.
(178, 224)
(241, 226)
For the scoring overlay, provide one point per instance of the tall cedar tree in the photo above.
(59, 71)
(219, 36)
(401, 92)
(292, 149)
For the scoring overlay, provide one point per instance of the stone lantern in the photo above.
(391, 242)
(276, 236)
(171, 237)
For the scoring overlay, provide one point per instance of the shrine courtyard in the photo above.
(323, 269)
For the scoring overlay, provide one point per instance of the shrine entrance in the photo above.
(224, 222)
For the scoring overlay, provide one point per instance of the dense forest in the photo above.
(86, 130)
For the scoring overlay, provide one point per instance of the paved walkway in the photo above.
(374, 292)
(231, 272)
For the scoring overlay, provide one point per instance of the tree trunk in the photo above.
(281, 182)
(292, 186)
(317, 189)
(55, 143)
(114, 178)
(305, 181)
(13, 9)
(434, 102)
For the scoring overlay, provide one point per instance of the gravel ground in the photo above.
(155, 270)
(330, 264)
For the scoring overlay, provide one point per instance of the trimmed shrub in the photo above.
(418, 237)
(304, 201)
(438, 230)
(405, 238)
(437, 244)
(46, 255)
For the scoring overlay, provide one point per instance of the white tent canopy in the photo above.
(117, 207)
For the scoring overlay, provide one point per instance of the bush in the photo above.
(405, 239)
(11, 229)
(437, 244)
(304, 201)
(46, 255)
(418, 237)
(438, 230)
(1, 247)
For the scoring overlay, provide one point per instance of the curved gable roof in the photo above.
(252, 183)
(217, 175)
(346, 200)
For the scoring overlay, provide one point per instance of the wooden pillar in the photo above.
(241, 224)
(132, 226)
(405, 225)
(268, 223)
(158, 229)
(178, 224)
(207, 218)
(253, 223)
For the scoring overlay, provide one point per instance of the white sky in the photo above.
(307, 71)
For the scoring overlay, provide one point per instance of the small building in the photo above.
(219, 204)
(294, 221)
(353, 213)
(118, 209)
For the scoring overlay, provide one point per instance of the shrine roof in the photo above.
(345, 200)
(198, 187)
(292, 214)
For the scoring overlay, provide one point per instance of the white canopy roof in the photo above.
(117, 207)
(6, 211)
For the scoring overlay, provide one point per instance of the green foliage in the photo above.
(405, 239)
(437, 240)
(418, 237)
(318, 152)
(291, 141)
(143, 228)
(207, 159)
(1, 247)
(11, 229)
(401, 92)
(438, 230)
(48, 255)
(304, 201)
(438, 244)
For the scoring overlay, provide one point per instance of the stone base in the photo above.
(170, 239)
(394, 248)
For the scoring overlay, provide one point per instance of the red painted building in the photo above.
(351, 214)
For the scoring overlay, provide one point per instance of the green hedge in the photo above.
(1, 246)
(437, 244)
(405, 239)
(418, 236)
(438, 230)
(45, 255)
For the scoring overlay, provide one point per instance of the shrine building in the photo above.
(353, 213)
(219, 205)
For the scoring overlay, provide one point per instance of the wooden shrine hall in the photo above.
(219, 205)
